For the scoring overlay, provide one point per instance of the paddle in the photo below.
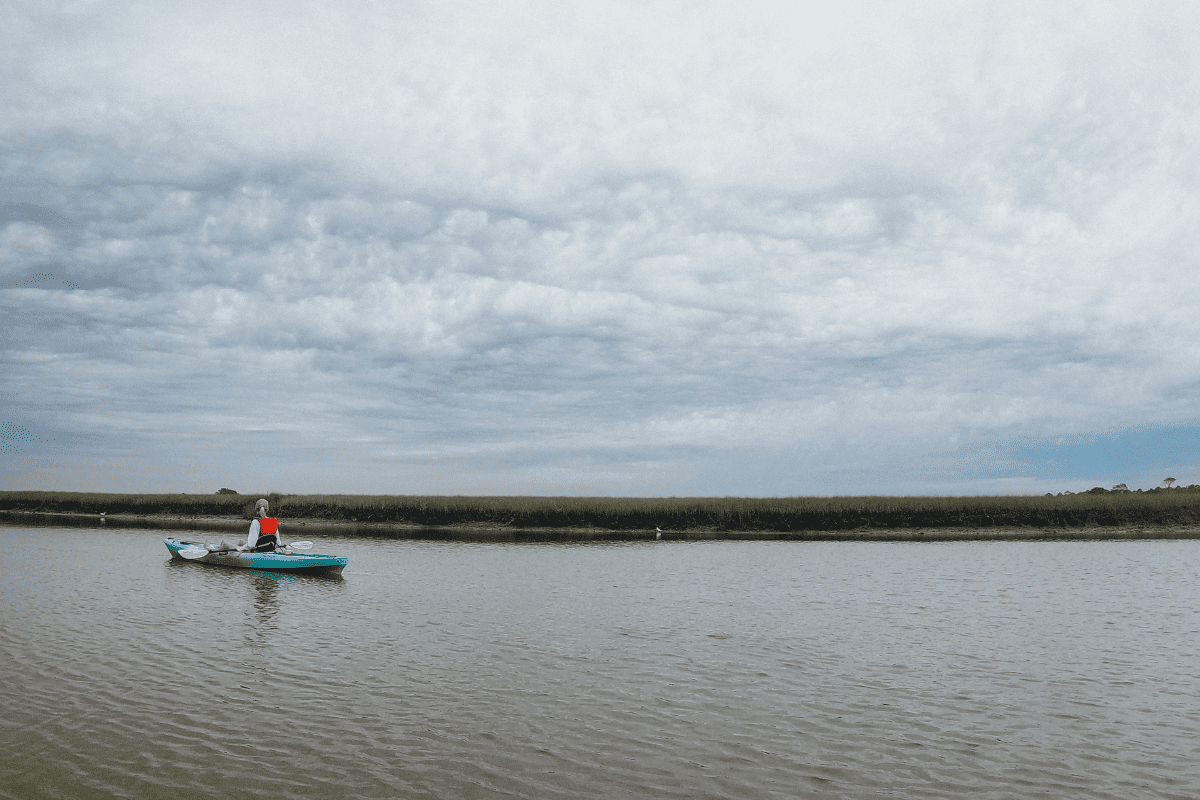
(194, 551)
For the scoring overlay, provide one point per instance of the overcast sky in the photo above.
(599, 248)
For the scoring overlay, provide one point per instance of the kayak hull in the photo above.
(304, 563)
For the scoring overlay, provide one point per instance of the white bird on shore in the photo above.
(659, 534)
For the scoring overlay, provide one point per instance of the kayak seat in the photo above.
(266, 544)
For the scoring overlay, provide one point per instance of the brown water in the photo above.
(649, 670)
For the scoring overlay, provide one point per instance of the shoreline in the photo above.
(482, 532)
(633, 517)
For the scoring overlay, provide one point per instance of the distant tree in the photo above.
(1167, 482)
(223, 490)
(1120, 487)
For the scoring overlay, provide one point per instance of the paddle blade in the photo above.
(192, 553)
(301, 545)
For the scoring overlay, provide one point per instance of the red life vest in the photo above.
(268, 526)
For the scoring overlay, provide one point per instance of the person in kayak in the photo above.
(263, 536)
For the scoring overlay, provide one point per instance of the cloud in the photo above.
(609, 248)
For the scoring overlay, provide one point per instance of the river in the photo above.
(715, 669)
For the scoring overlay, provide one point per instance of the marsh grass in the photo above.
(1180, 506)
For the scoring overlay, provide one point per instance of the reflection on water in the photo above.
(719, 669)
(266, 602)
(266, 587)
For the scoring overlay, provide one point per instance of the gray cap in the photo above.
(262, 503)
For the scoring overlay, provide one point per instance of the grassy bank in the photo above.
(1099, 508)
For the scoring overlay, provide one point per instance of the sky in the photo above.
(599, 248)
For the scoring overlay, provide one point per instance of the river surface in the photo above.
(711, 669)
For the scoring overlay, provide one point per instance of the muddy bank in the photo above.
(301, 528)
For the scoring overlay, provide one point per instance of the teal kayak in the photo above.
(309, 563)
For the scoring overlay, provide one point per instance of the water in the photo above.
(642, 670)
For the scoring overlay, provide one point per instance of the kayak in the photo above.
(308, 563)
